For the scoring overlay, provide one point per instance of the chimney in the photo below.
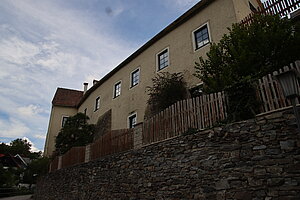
(95, 81)
(85, 86)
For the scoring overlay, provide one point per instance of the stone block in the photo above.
(243, 195)
(260, 147)
(288, 144)
(222, 184)
(275, 181)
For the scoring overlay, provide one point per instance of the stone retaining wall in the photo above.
(254, 159)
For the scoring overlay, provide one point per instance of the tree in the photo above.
(36, 169)
(247, 53)
(21, 147)
(167, 89)
(76, 132)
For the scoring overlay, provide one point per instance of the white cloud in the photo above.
(17, 51)
(40, 136)
(30, 110)
(33, 147)
(12, 128)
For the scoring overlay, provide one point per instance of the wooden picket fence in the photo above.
(196, 113)
(270, 93)
(74, 156)
(274, 7)
(112, 142)
(54, 164)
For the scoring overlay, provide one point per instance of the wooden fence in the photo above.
(74, 156)
(54, 164)
(198, 113)
(274, 7)
(270, 93)
(112, 142)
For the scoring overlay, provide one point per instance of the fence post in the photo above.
(87, 156)
(59, 165)
(138, 136)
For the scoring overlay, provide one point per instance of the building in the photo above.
(121, 94)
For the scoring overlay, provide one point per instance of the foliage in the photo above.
(21, 147)
(76, 132)
(166, 90)
(35, 169)
(247, 53)
(7, 177)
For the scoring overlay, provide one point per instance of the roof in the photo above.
(183, 18)
(67, 97)
(10, 161)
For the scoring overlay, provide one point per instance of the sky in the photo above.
(52, 43)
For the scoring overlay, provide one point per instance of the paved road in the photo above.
(25, 197)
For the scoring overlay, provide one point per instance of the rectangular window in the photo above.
(117, 89)
(97, 103)
(85, 111)
(132, 120)
(63, 121)
(201, 37)
(135, 77)
(252, 8)
(163, 59)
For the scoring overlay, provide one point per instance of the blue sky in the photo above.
(52, 43)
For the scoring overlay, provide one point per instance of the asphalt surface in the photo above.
(25, 197)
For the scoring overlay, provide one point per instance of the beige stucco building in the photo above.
(174, 49)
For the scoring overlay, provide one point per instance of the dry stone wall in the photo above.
(255, 159)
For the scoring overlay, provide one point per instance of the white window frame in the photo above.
(131, 83)
(114, 89)
(194, 38)
(128, 119)
(157, 59)
(97, 104)
(62, 119)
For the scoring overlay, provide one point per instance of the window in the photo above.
(85, 111)
(201, 36)
(117, 89)
(97, 103)
(252, 8)
(132, 120)
(163, 59)
(63, 121)
(135, 77)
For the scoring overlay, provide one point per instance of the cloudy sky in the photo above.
(47, 44)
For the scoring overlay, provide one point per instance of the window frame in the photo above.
(131, 77)
(128, 119)
(195, 43)
(167, 49)
(97, 104)
(62, 120)
(114, 89)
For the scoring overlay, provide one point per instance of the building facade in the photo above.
(175, 49)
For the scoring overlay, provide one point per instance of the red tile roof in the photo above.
(67, 97)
